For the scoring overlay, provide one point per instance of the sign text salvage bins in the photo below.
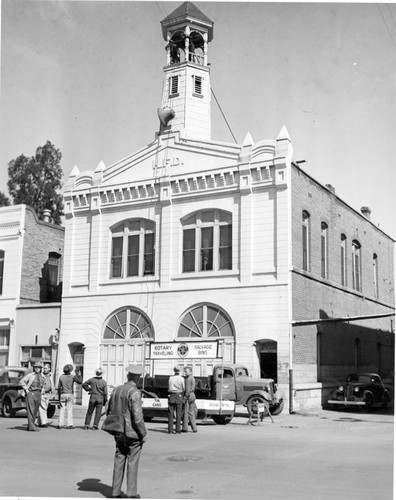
(184, 350)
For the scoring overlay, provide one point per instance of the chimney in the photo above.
(330, 188)
(47, 216)
(366, 211)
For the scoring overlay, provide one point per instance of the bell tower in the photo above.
(186, 92)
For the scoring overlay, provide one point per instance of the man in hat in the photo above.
(97, 389)
(33, 384)
(175, 400)
(46, 393)
(66, 395)
(125, 422)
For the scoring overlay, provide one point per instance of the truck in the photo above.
(216, 395)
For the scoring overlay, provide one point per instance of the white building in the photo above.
(186, 239)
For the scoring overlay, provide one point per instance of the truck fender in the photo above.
(263, 394)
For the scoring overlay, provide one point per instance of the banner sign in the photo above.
(184, 350)
(208, 405)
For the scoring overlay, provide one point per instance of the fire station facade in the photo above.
(190, 239)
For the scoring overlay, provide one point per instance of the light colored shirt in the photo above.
(176, 384)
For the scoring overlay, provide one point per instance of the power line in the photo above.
(225, 119)
(386, 25)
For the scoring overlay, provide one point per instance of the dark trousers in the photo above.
(189, 415)
(95, 404)
(127, 454)
(175, 407)
(33, 400)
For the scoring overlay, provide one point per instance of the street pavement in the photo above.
(316, 455)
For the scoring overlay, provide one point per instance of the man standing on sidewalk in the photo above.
(66, 395)
(46, 393)
(125, 422)
(97, 388)
(175, 400)
(190, 407)
(33, 384)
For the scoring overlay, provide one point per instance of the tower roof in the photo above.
(187, 11)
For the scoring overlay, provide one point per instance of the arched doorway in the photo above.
(77, 354)
(208, 321)
(125, 334)
(267, 351)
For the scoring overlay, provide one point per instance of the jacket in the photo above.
(96, 386)
(125, 414)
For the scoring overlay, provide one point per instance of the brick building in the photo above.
(194, 239)
(31, 254)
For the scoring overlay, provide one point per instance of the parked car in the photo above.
(361, 389)
(11, 394)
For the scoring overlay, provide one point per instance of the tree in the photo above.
(36, 181)
(4, 200)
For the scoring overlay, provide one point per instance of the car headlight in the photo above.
(341, 389)
(356, 389)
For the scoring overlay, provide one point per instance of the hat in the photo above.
(136, 369)
(99, 372)
(67, 368)
(38, 364)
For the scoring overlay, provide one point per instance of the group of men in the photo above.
(182, 409)
(38, 387)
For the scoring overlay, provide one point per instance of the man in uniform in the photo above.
(46, 393)
(125, 422)
(33, 384)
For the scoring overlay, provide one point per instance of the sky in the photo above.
(87, 76)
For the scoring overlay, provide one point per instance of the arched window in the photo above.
(205, 321)
(356, 266)
(343, 260)
(133, 249)
(324, 250)
(207, 241)
(127, 324)
(305, 240)
(1, 270)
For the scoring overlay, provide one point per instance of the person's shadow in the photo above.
(93, 484)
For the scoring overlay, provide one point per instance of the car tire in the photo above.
(369, 401)
(386, 400)
(253, 401)
(6, 408)
(222, 419)
(51, 411)
(277, 410)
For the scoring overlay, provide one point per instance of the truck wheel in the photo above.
(222, 419)
(254, 400)
(6, 408)
(50, 411)
(277, 410)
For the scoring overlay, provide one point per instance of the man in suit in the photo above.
(125, 422)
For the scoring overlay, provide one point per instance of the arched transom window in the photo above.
(127, 324)
(205, 321)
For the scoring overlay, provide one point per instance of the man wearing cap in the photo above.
(66, 395)
(125, 422)
(33, 384)
(97, 388)
(46, 392)
(175, 400)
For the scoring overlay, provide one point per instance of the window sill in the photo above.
(132, 279)
(173, 95)
(195, 94)
(206, 274)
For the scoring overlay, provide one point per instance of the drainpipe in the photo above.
(290, 283)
